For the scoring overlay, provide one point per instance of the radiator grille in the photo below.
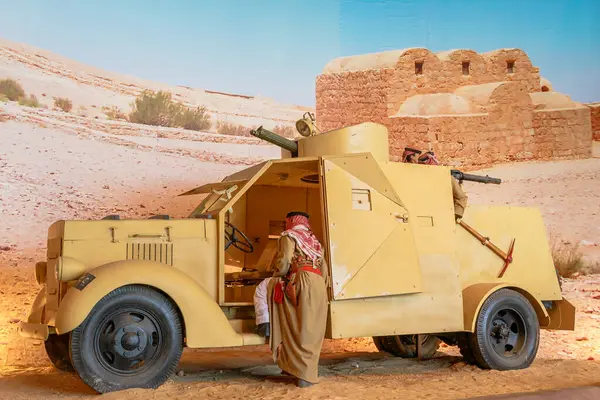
(159, 252)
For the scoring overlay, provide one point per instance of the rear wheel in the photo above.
(464, 344)
(507, 332)
(405, 346)
(57, 349)
(131, 339)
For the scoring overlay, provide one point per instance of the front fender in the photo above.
(475, 295)
(205, 324)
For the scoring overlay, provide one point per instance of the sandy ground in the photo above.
(77, 171)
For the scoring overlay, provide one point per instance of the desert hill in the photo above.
(48, 75)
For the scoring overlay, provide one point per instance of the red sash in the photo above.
(290, 288)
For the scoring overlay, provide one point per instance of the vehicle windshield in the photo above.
(216, 200)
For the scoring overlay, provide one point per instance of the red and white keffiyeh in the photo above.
(298, 228)
(429, 158)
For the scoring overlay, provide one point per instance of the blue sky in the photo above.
(277, 48)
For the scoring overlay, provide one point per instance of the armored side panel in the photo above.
(393, 261)
(532, 268)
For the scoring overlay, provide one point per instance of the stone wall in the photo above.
(472, 109)
(595, 115)
(353, 98)
(562, 134)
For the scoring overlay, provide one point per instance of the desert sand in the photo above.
(56, 165)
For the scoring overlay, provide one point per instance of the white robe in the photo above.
(261, 306)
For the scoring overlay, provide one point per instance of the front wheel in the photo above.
(57, 349)
(507, 332)
(131, 339)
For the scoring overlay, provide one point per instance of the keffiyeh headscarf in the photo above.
(429, 158)
(409, 154)
(298, 229)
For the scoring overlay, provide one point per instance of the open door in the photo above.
(371, 245)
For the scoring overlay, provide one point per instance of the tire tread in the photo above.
(172, 313)
(481, 354)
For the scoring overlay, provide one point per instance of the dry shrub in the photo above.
(285, 131)
(63, 103)
(30, 101)
(195, 119)
(569, 261)
(82, 111)
(11, 89)
(114, 113)
(4, 98)
(226, 128)
(158, 109)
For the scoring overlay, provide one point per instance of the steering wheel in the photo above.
(232, 239)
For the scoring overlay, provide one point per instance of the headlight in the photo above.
(40, 272)
(68, 269)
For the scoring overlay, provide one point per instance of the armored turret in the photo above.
(367, 137)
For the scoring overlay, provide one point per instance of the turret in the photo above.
(367, 137)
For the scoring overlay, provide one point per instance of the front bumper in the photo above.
(34, 327)
(34, 331)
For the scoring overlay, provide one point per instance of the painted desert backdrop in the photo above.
(71, 148)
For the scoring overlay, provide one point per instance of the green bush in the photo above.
(11, 89)
(63, 104)
(152, 108)
(158, 109)
(30, 101)
(194, 119)
(4, 98)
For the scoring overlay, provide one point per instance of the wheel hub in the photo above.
(501, 330)
(130, 341)
(507, 333)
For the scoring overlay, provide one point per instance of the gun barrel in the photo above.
(481, 179)
(275, 139)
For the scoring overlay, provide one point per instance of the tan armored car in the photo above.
(121, 298)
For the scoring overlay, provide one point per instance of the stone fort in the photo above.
(471, 109)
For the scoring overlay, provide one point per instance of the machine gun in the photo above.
(460, 177)
(276, 139)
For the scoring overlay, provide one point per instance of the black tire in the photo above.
(131, 339)
(377, 340)
(507, 332)
(57, 349)
(464, 344)
(405, 346)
